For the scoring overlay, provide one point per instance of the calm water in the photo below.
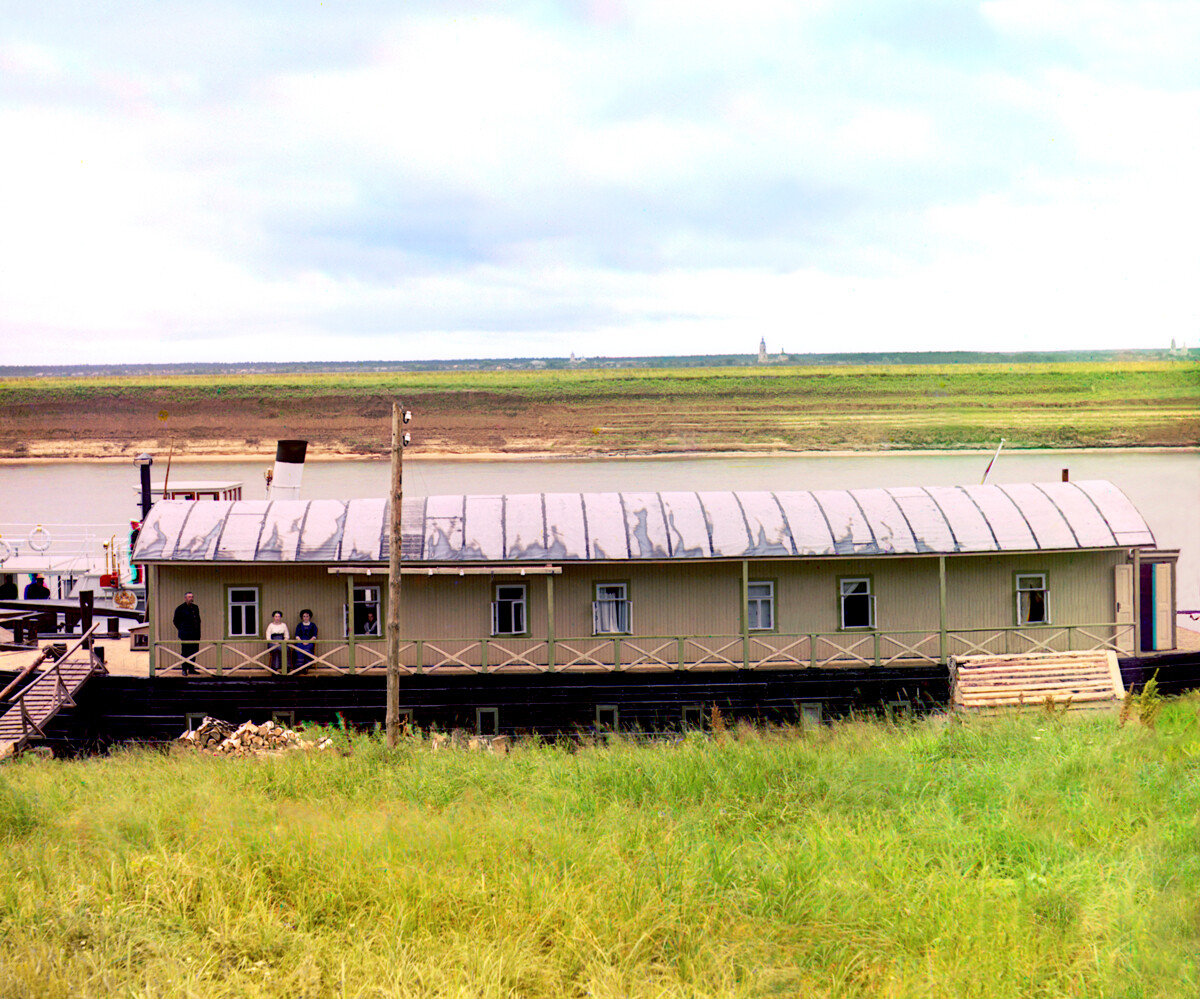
(1165, 487)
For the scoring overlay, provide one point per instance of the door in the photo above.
(1123, 588)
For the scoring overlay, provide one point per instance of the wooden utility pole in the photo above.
(393, 616)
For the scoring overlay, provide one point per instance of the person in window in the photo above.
(8, 589)
(277, 631)
(370, 624)
(306, 634)
(187, 627)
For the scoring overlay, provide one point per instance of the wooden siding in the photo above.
(452, 613)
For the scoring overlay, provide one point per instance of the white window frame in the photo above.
(365, 600)
(1023, 587)
(616, 607)
(240, 606)
(759, 602)
(847, 589)
(518, 602)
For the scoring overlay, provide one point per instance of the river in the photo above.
(1165, 486)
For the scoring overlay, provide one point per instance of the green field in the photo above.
(628, 410)
(1035, 856)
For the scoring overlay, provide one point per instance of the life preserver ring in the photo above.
(6, 551)
(39, 539)
(125, 599)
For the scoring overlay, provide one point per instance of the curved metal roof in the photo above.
(673, 525)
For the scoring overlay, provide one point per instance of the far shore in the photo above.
(267, 457)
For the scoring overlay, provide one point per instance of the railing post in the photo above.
(942, 610)
(616, 653)
(420, 654)
(550, 622)
(483, 655)
(812, 651)
(220, 657)
(285, 650)
(745, 614)
(679, 655)
(876, 645)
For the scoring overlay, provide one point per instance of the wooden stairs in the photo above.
(1066, 680)
(54, 688)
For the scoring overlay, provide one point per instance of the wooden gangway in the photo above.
(1065, 680)
(55, 688)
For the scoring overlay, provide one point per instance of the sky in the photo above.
(188, 180)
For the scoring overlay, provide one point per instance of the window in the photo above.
(243, 611)
(811, 715)
(508, 610)
(760, 606)
(610, 610)
(366, 611)
(1033, 601)
(487, 721)
(692, 716)
(857, 603)
(285, 718)
(607, 716)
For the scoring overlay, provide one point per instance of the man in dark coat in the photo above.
(8, 589)
(187, 626)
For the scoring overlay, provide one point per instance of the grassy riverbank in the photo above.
(615, 410)
(1036, 856)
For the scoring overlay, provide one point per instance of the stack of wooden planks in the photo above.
(1075, 680)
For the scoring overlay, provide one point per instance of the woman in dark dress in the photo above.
(306, 634)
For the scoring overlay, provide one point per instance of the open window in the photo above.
(487, 721)
(508, 610)
(608, 717)
(760, 606)
(364, 613)
(857, 603)
(612, 613)
(1033, 598)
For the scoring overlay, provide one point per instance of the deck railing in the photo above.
(615, 653)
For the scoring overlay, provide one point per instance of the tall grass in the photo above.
(1031, 856)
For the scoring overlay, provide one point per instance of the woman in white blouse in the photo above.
(277, 631)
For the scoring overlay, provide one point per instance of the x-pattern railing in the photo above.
(620, 652)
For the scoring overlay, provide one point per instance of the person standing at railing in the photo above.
(37, 589)
(187, 626)
(306, 635)
(8, 589)
(277, 631)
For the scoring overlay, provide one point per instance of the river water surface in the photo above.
(1165, 486)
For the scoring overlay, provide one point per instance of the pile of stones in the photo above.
(221, 738)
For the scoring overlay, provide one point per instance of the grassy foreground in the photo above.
(1036, 856)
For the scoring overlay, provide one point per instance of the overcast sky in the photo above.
(186, 180)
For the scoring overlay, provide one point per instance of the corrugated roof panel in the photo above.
(564, 524)
(851, 533)
(322, 533)
(925, 518)
(645, 526)
(525, 526)
(810, 532)
(1004, 517)
(887, 520)
(280, 537)
(364, 530)
(971, 531)
(412, 530)
(767, 526)
(243, 525)
(726, 524)
(605, 525)
(1045, 519)
(1089, 527)
(1121, 515)
(161, 530)
(482, 526)
(685, 525)
(199, 533)
(444, 527)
